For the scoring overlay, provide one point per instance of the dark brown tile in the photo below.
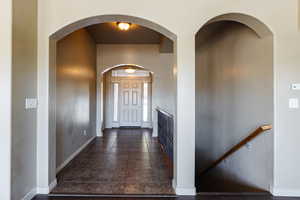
(132, 189)
(125, 161)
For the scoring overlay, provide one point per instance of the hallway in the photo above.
(123, 161)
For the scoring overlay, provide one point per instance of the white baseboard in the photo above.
(48, 189)
(30, 195)
(71, 157)
(52, 185)
(286, 192)
(154, 132)
(183, 191)
(41, 190)
(99, 133)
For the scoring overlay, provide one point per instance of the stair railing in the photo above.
(234, 149)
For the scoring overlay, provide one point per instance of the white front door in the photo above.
(131, 103)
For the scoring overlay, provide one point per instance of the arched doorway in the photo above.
(56, 92)
(234, 96)
(126, 82)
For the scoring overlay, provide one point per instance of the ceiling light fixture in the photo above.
(130, 70)
(123, 26)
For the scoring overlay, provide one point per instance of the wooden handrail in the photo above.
(248, 139)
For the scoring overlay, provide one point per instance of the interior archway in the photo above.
(61, 35)
(255, 24)
(117, 76)
(125, 65)
(110, 18)
(234, 64)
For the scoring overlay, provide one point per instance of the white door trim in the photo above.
(109, 81)
(6, 99)
(131, 87)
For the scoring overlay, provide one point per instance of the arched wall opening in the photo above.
(234, 96)
(111, 96)
(50, 173)
(125, 65)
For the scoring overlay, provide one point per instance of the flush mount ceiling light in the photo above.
(130, 70)
(123, 26)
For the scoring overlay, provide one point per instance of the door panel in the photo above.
(126, 98)
(126, 115)
(134, 98)
(131, 104)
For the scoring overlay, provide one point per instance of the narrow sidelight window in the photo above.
(145, 102)
(116, 100)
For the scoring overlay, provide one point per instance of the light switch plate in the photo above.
(296, 86)
(294, 103)
(30, 103)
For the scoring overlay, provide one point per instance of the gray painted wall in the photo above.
(24, 85)
(234, 96)
(75, 93)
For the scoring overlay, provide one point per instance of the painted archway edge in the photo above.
(124, 65)
(53, 39)
(258, 26)
(111, 18)
(262, 30)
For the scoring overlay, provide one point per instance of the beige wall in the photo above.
(184, 23)
(53, 16)
(299, 13)
(149, 57)
(75, 93)
(24, 85)
(234, 96)
(286, 120)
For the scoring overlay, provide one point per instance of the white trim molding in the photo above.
(30, 194)
(286, 192)
(71, 157)
(184, 191)
(52, 185)
(41, 190)
(48, 189)
(6, 97)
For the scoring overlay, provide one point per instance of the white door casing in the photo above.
(128, 99)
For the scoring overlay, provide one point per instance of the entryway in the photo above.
(127, 97)
(123, 161)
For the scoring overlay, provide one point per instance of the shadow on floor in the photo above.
(225, 184)
(219, 181)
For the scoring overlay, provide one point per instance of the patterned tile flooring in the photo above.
(199, 197)
(123, 161)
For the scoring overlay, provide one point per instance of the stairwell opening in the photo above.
(234, 96)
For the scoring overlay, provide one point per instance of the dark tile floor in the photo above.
(199, 197)
(123, 161)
